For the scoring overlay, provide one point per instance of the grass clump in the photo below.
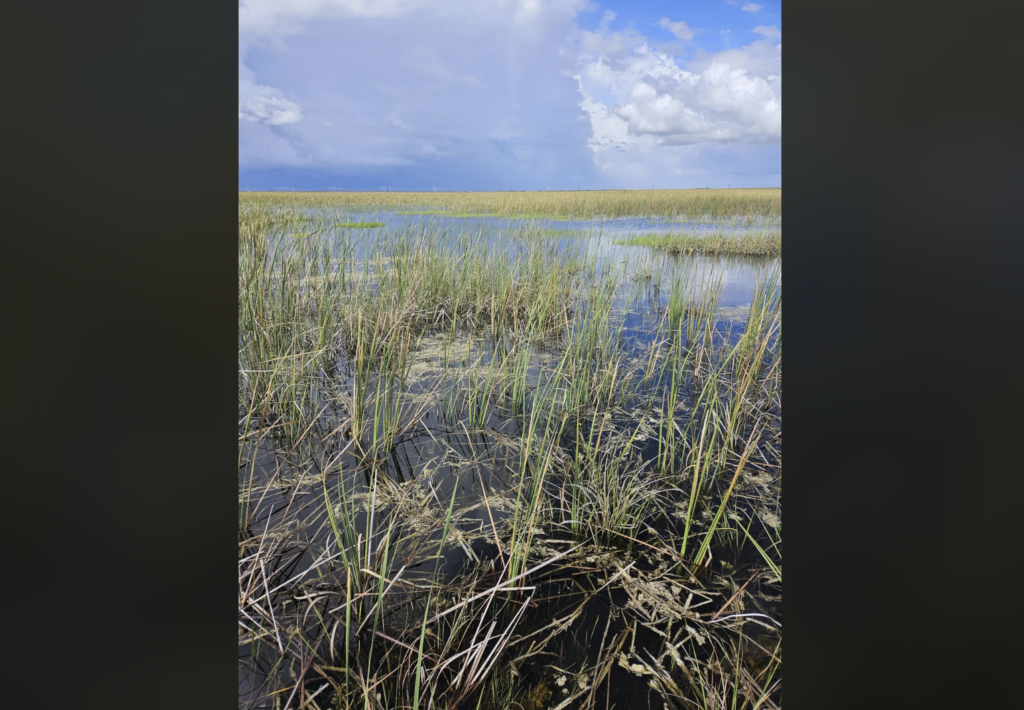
(768, 243)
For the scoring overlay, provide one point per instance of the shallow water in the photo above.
(616, 226)
(738, 274)
(443, 455)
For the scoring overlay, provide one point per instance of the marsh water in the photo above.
(617, 619)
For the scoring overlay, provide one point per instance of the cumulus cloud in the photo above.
(734, 96)
(772, 32)
(751, 7)
(648, 107)
(609, 130)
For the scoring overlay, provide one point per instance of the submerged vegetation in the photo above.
(761, 243)
(752, 202)
(496, 469)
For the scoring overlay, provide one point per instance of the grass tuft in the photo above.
(767, 243)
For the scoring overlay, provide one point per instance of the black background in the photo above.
(902, 168)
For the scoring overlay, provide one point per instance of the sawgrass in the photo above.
(761, 243)
(718, 203)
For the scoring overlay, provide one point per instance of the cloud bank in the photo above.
(514, 93)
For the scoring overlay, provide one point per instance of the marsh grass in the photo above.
(750, 202)
(758, 243)
(442, 432)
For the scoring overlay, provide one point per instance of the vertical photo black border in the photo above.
(902, 165)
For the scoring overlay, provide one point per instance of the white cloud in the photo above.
(772, 32)
(751, 7)
(266, 104)
(679, 29)
(733, 96)
(645, 108)
(609, 130)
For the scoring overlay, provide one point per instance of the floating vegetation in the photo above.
(492, 468)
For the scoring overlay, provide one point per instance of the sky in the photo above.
(509, 94)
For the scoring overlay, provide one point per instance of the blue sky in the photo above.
(509, 94)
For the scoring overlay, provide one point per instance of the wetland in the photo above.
(510, 450)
